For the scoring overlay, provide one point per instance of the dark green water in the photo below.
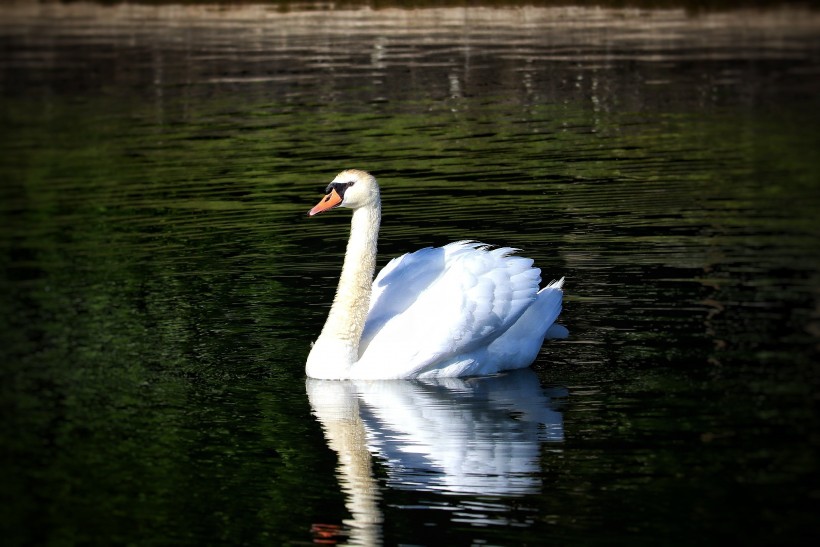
(162, 282)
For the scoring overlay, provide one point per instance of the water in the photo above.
(162, 281)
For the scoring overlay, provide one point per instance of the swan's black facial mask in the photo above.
(334, 197)
(340, 188)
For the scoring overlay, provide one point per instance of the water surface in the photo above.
(162, 282)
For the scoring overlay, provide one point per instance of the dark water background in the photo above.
(162, 283)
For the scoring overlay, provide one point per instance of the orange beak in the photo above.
(333, 199)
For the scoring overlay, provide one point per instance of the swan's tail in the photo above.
(555, 331)
(519, 346)
(547, 307)
(554, 285)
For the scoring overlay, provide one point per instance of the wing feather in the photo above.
(438, 303)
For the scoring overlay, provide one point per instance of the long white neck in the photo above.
(337, 347)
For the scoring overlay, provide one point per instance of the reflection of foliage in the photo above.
(161, 286)
(415, 4)
(140, 294)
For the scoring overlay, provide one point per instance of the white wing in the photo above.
(437, 304)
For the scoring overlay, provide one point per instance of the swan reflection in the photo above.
(454, 436)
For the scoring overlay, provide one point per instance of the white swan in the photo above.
(457, 310)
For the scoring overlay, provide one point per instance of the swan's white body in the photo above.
(457, 310)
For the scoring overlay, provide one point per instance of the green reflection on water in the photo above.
(140, 309)
(162, 285)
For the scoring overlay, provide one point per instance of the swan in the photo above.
(458, 310)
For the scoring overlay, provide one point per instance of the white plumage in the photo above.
(458, 310)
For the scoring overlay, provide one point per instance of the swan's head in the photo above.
(351, 188)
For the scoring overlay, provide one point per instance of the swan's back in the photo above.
(453, 311)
